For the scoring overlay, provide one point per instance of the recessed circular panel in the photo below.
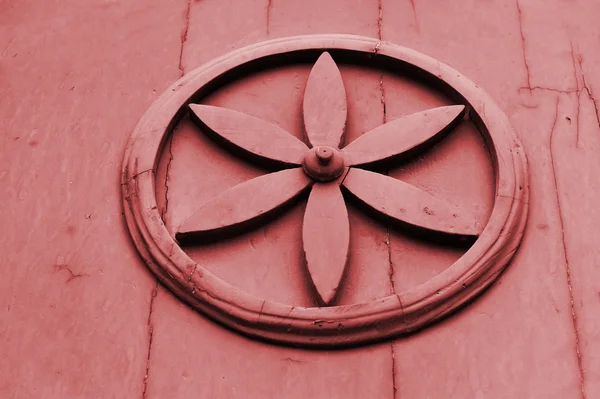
(329, 325)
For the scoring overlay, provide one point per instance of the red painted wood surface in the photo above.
(245, 204)
(325, 239)
(402, 135)
(324, 104)
(401, 203)
(83, 318)
(254, 136)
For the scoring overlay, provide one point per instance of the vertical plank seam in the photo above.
(184, 35)
(388, 243)
(389, 248)
(379, 18)
(566, 257)
(150, 326)
(154, 292)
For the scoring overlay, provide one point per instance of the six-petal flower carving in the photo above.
(324, 166)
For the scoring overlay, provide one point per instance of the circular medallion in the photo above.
(324, 167)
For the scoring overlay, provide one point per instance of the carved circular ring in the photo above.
(337, 325)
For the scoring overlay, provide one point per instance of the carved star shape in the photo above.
(323, 166)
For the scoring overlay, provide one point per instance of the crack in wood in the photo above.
(73, 275)
(153, 296)
(379, 19)
(523, 45)
(587, 88)
(394, 388)
(580, 88)
(387, 230)
(260, 312)
(269, 5)
(390, 262)
(577, 118)
(135, 176)
(414, 10)
(382, 98)
(292, 360)
(566, 256)
(552, 89)
(184, 34)
(578, 94)
(168, 169)
(387, 240)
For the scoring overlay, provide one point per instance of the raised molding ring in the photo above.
(333, 326)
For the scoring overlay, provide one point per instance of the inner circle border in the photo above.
(335, 326)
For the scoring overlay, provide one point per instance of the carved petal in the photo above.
(325, 107)
(401, 135)
(401, 202)
(256, 137)
(326, 237)
(245, 204)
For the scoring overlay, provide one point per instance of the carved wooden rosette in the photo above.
(325, 166)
